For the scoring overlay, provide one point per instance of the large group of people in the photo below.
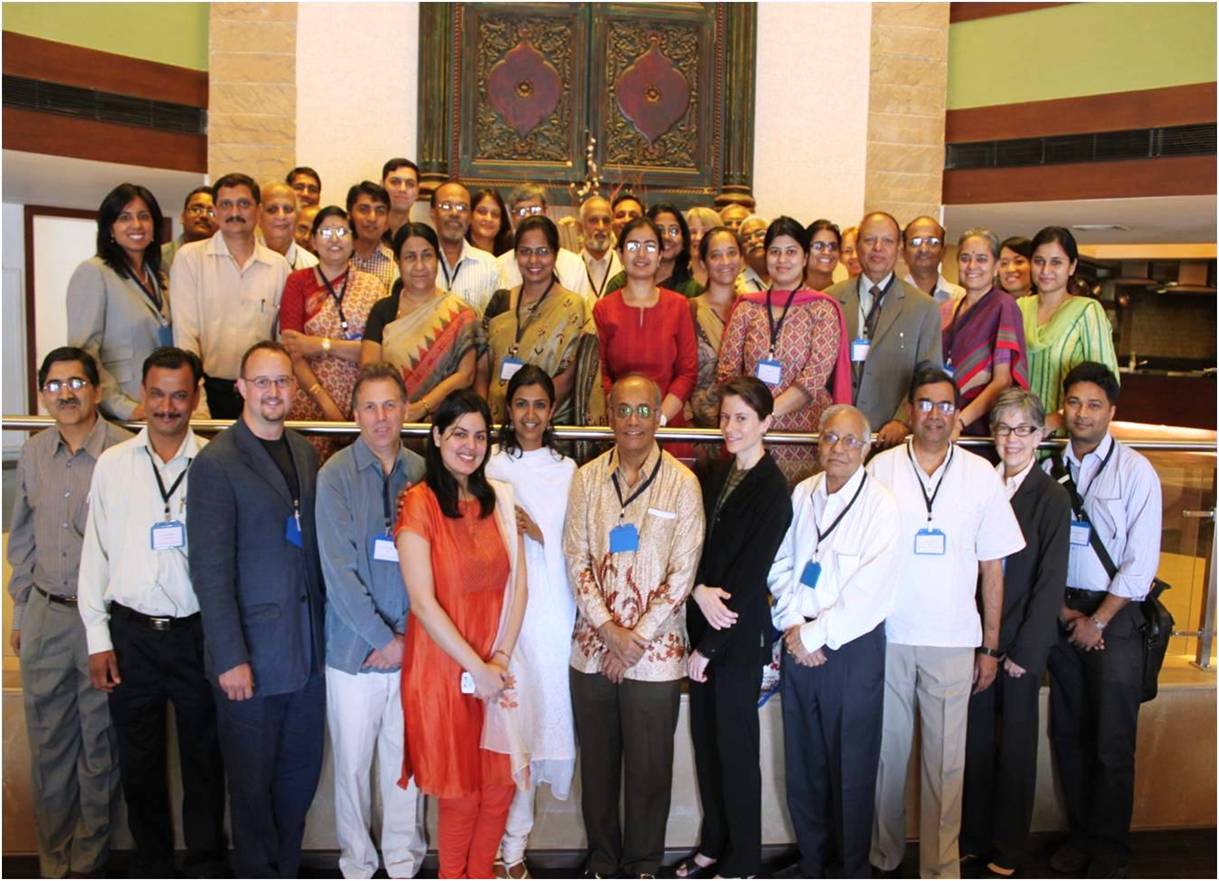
(464, 624)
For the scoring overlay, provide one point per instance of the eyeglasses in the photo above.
(55, 386)
(672, 232)
(919, 241)
(459, 207)
(1022, 430)
(263, 383)
(850, 441)
(926, 405)
(327, 233)
(818, 247)
(542, 252)
(239, 204)
(526, 210)
(643, 411)
(633, 246)
(201, 209)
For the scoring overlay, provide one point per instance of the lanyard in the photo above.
(385, 507)
(776, 328)
(598, 291)
(167, 495)
(520, 328)
(869, 322)
(153, 294)
(338, 298)
(822, 536)
(929, 501)
(450, 280)
(1092, 482)
(638, 492)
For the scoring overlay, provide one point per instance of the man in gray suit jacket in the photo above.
(892, 326)
(255, 567)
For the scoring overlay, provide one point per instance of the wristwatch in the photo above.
(326, 345)
(1098, 624)
(988, 651)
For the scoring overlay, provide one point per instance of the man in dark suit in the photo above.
(255, 567)
(892, 326)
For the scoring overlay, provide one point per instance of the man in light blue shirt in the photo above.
(366, 608)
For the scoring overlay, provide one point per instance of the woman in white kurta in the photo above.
(540, 477)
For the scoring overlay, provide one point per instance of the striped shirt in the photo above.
(380, 263)
(474, 277)
(1079, 331)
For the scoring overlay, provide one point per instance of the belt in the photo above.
(56, 598)
(153, 622)
(1081, 593)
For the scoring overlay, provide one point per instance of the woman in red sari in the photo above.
(983, 334)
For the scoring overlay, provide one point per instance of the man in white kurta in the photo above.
(956, 523)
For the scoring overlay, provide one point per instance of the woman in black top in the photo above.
(748, 510)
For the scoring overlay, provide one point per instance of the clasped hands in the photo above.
(1084, 634)
(624, 648)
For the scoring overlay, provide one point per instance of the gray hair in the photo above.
(981, 232)
(708, 217)
(1016, 398)
(525, 192)
(834, 409)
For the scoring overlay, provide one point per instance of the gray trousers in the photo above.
(73, 751)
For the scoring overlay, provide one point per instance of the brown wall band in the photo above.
(970, 11)
(56, 135)
(1113, 112)
(1176, 176)
(104, 71)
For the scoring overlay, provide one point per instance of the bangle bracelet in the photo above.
(507, 657)
(988, 651)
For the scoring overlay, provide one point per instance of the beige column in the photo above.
(907, 100)
(252, 82)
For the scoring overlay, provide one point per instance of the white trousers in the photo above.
(520, 824)
(364, 715)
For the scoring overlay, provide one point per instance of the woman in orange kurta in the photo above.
(467, 600)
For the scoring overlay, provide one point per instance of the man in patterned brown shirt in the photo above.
(632, 540)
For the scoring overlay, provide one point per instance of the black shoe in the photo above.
(1107, 867)
(878, 872)
(1070, 859)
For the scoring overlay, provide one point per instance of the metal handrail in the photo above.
(596, 432)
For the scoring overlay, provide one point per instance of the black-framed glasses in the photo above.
(75, 383)
(1022, 430)
(926, 405)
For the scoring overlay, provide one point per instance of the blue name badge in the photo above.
(508, 368)
(382, 547)
(811, 573)
(859, 349)
(769, 371)
(167, 535)
(948, 369)
(292, 532)
(1081, 533)
(930, 543)
(623, 538)
(165, 335)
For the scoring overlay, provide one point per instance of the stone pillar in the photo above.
(907, 102)
(252, 84)
(740, 55)
(437, 22)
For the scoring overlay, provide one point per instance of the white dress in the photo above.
(540, 480)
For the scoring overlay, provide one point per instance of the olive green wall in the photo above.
(1079, 49)
(171, 33)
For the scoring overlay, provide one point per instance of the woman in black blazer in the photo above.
(748, 510)
(1001, 741)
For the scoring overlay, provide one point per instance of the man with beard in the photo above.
(469, 272)
(601, 262)
(226, 293)
(254, 563)
(142, 624)
(277, 223)
(73, 756)
(198, 223)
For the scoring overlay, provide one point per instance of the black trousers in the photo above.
(273, 752)
(159, 667)
(1001, 769)
(1094, 716)
(831, 737)
(223, 401)
(724, 728)
(626, 727)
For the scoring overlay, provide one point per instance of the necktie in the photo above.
(869, 323)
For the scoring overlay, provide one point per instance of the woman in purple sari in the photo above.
(983, 334)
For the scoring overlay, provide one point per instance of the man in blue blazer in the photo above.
(255, 567)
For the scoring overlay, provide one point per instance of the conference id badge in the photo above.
(292, 532)
(167, 535)
(948, 369)
(1081, 533)
(384, 549)
(859, 350)
(623, 538)
(769, 371)
(165, 335)
(811, 573)
(930, 543)
(508, 368)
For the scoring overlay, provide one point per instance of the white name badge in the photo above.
(930, 543)
(508, 368)
(1081, 533)
(860, 349)
(467, 682)
(770, 372)
(167, 535)
(383, 548)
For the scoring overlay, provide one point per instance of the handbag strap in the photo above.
(1062, 474)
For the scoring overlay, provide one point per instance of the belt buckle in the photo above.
(160, 623)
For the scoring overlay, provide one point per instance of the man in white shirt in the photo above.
(469, 272)
(601, 261)
(277, 223)
(833, 581)
(1096, 666)
(923, 249)
(143, 628)
(956, 524)
(529, 200)
(226, 293)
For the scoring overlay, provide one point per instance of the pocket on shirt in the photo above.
(660, 525)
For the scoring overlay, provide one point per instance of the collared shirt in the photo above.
(936, 601)
(749, 281)
(117, 562)
(220, 308)
(567, 266)
(299, 258)
(865, 297)
(366, 602)
(474, 277)
(643, 590)
(1012, 484)
(1123, 504)
(50, 511)
(944, 289)
(380, 263)
(599, 272)
(859, 560)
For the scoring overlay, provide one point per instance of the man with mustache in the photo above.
(226, 292)
(142, 623)
(923, 249)
(255, 567)
(467, 271)
(73, 755)
(601, 262)
(198, 223)
(529, 200)
(307, 185)
(752, 235)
